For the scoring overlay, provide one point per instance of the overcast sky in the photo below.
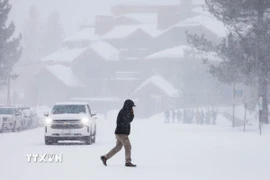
(72, 12)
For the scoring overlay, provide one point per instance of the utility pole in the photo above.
(245, 117)
(8, 89)
(260, 113)
(233, 120)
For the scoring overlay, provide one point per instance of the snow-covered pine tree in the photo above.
(52, 35)
(248, 22)
(10, 48)
(31, 37)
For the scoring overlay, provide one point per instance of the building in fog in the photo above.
(137, 51)
(52, 83)
(155, 95)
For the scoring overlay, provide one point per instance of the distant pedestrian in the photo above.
(192, 114)
(173, 116)
(198, 117)
(185, 116)
(207, 117)
(179, 116)
(167, 117)
(214, 117)
(202, 118)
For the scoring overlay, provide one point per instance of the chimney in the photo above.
(103, 24)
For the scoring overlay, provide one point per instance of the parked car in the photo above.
(11, 117)
(1, 125)
(34, 118)
(70, 121)
(29, 118)
(25, 118)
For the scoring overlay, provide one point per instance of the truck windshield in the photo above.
(68, 109)
(7, 111)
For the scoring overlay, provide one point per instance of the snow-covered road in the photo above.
(187, 152)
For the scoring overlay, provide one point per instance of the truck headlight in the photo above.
(85, 121)
(48, 120)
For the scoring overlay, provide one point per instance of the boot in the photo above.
(130, 165)
(104, 160)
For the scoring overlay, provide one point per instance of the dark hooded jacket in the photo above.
(124, 118)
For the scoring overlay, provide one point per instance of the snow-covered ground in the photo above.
(171, 151)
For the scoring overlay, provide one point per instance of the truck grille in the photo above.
(5, 119)
(65, 120)
(66, 126)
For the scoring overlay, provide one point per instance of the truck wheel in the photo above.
(94, 139)
(94, 135)
(88, 139)
(48, 141)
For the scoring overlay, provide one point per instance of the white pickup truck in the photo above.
(70, 121)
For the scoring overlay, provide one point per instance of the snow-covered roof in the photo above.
(209, 23)
(178, 53)
(151, 29)
(65, 75)
(162, 84)
(174, 53)
(85, 34)
(106, 51)
(65, 55)
(145, 18)
(120, 32)
(160, 2)
(103, 49)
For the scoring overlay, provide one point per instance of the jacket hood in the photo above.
(128, 104)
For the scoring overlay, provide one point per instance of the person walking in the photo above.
(122, 132)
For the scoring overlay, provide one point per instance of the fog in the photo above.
(182, 86)
(72, 12)
(105, 52)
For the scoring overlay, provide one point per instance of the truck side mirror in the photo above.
(93, 113)
(46, 114)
